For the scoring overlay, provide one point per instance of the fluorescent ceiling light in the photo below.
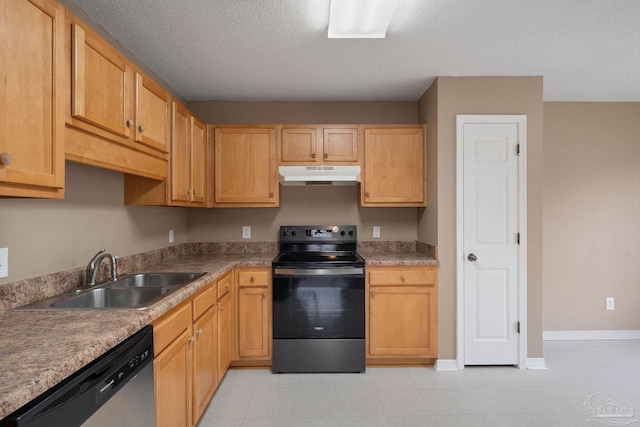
(360, 18)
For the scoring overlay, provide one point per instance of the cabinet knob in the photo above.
(129, 123)
(326, 156)
(222, 308)
(264, 295)
(199, 332)
(313, 155)
(271, 195)
(402, 279)
(373, 294)
(5, 159)
(366, 194)
(141, 128)
(472, 257)
(252, 279)
(191, 340)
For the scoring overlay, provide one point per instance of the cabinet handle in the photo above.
(326, 156)
(199, 332)
(191, 340)
(366, 194)
(253, 279)
(141, 128)
(5, 159)
(313, 155)
(373, 294)
(129, 123)
(271, 195)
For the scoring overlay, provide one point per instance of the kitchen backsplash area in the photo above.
(21, 292)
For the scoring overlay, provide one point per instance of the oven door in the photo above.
(318, 303)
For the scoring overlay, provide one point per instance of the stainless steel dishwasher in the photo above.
(114, 390)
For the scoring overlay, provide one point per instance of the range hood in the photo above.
(319, 175)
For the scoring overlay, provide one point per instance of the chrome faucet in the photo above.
(94, 266)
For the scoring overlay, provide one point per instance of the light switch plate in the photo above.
(376, 231)
(170, 236)
(4, 262)
(246, 231)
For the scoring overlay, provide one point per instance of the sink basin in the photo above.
(133, 291)
(112, 298)
(155, 280)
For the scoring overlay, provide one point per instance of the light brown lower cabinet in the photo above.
(402, 318)
(185, 366)
(254, 315)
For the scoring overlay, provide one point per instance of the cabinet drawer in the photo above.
(402, 277)
(204, 300)
(224, 285)
(170, 326)
(254, 278)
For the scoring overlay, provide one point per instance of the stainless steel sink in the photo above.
(112, 298)
(133, 291)
(155, 280)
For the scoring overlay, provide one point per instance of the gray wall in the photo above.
(45, 236)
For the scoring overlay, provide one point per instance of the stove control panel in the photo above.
(314, 233)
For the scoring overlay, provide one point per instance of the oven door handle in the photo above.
(318, 271)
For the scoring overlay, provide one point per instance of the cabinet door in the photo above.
(394, 167)
(205, 378)
(340, 145)
(172, 384)
(224, 334)
(31, 98)
(245, 171)
(100, 79)
(180, 176)
(253, 322)
(299, 145)
(152, 114)
(401, 321)
(198, 160)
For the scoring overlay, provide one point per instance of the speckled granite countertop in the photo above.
(38, 349)
(404, 258)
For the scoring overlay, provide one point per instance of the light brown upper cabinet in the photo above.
(312, 145)
(394, 171)
(245, 167)
(188, 158)
(32, 99)
(117, 118)
(152, 114)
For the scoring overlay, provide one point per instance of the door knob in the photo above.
(472, 257)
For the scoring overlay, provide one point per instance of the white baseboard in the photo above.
(446, 365)
(536, 363)
(590, 335)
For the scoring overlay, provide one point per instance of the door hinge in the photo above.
(518, 238)
(517, 149)
(518, 326)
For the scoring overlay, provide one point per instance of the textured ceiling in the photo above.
(586, 50)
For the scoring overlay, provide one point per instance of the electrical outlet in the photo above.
(246, 231)
(4, 262)
(170, 236)
(376, 231)
(610, 303)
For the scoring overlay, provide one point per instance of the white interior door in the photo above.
(490, 243)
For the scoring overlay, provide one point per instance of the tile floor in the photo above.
(479, 396)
